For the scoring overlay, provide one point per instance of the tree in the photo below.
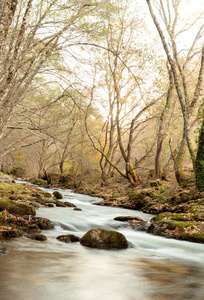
(32, 35)
(128, 103)
(161, 131)
(166, 22)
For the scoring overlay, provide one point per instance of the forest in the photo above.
(101, 149)
(97, 89)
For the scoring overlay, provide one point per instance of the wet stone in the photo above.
(68, 238)
(38, 237)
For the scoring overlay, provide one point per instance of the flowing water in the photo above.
(154, 268)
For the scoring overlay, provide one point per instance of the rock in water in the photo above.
(68, 238)
(57, 194)
(69, 204)
(104, 239)
(38, 237)
(127, 218)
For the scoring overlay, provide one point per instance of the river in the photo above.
(154, 268)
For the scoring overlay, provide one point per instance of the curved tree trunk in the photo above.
(161, 132)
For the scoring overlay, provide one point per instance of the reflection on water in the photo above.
(31, 275)
(154, 269)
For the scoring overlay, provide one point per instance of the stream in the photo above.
(154, 268)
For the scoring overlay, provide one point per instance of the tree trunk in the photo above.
(161, 133)
(178, 163)
(61, 166)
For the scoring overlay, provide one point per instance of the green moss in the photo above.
(11, 233)
(193, 237)
(93, 192)
(60, 204)
(162, 216)
(187, 224)
(101, 238)
(133, 195)
(13, 197)
(16, 208)
(47, 195)
(181, 217)
(44, 224)
(154, 183)
(162, 189)
(114, 195)
(34, 226)
(193, 209)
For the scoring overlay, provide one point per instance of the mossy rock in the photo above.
(104, 239)
(60, 204)
(183, 217)
(40, 182)
(38, 237)
(133, 195)
(33, 227)
(17, 208)
(11, 233)
(69, 204)
(57, 195)
(193, 237)
(43, 223)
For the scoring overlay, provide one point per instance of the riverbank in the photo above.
(179, 213)
(18, 204)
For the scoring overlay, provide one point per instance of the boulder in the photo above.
(104, 239)
(57, 195)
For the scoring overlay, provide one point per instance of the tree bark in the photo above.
(161, 132)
